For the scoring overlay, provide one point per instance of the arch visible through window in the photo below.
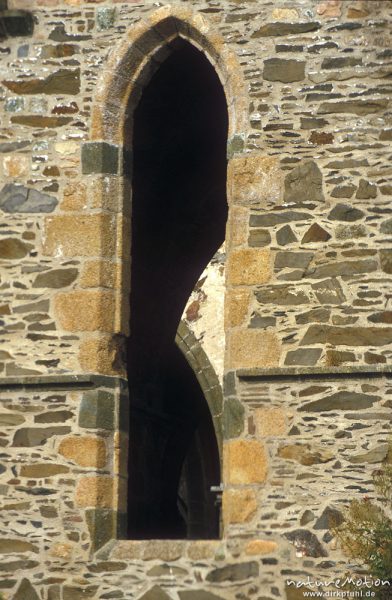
(179, 212)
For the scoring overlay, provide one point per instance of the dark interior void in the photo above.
(179, 213)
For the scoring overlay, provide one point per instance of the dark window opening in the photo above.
(179, 213)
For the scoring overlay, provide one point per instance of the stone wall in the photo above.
(306, 414)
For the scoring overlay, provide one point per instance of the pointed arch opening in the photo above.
(177, 166)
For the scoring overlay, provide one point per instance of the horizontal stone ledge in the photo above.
(76, 381)
(350, 372)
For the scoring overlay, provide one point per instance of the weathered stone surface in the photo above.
(63, 81)
(40, 121)
(304, 183)
(86, 451)
(331, 517)
(306, 543)
(284, 70)
(340, 62)
(366, 190)
(347, 336)
(99, 157)
(269, 219)
(85, 310)
(41, 470)
(334, 358)
(306, 454)
(259, 322)
(158, 570)
(343, 191)
(233, 418)
(79, 235)
(11, 545)
(249, 266)
(315, 234)
(254, 179)
(94, 492)
(236, 306)
(19, 198)
(11, 419)
(341, 401)
(270, 422)
(12, 249)
(293, 260)
(97, 410)
(285, 236)
(345, 212)
(303, 356)
(349, 232)
(71, 592)
(198, 595)
(36, 436)
(356, 107)
(386, 227)
(245, 462)
(25, 591)
(376, 455)
(234, 572)
(329, 291)
(279, 29)
(285, 295)
(381, 317)
(239, 506)
(321, 137)
(259, 238)
(343, 268)
(56, 278)
(386, 260)
(258, 547)
(155, 593)
(253, 347)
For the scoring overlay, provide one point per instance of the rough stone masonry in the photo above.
(289, 329)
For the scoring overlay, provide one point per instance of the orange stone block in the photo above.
(257, 547)
(249, 266)
(239, 506)
(101, 354)
(80, 235)
(86, 451)
(245, 462)
(236, 307)
(270, 422)
(255, 179)
(85, 310)
(252, 348)
(94, 492)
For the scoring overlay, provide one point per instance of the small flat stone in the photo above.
(386, 260)
(282, 295)
(12, 545)
(283, 70)
(63, 81)
(25, 591)
(356, 107)
(280, 28)
(292, 260)
(306, 542)
(303, 356)
(13, 249)
(18, 198)
(233, 418)
(386, 227)
(39, 121)
(277, 218)
(234, 572)
(315, 234)
(304, 183)
(329, 291)
(340, 401)
(343, 191)
(36, 436)
(285, 236)
(306, 454)
(345, 212)
(376, 455)
(366, 190)
(55, 278)
(259, 238)
(340, 62)
(330, 517)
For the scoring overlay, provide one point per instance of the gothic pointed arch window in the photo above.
(179, 211)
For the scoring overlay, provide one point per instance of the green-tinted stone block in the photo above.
(102, 525)
(99, 157)
(105, 18)
(235, 144)
(233, 418)
(14, 104)
(229, 384)
(124, 413)
(97, 410)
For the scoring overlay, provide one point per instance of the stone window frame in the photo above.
(129, 68)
